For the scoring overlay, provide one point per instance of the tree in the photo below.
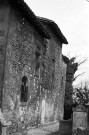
(72, 67)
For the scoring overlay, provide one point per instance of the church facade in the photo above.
(32, 72)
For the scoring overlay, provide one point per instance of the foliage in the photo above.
(81, 95)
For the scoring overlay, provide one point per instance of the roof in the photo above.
(55, 29)
(30, 16)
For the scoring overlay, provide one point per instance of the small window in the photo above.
(37, 55)
(24, 89)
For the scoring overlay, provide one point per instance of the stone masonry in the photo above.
(31, 60)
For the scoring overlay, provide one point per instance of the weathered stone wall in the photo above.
(59, 68)
(50, 80)
(4, 13)
(23, 40)
(40, 60)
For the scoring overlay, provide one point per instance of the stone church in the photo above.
(32, 71)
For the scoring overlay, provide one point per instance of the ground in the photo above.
(49, 129)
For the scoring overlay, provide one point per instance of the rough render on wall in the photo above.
(4, 13)
(45, 96)
(20, 62)
(60, 72)
(3, 34)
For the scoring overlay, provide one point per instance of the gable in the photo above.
(23, 8)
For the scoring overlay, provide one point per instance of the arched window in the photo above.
(24, 89)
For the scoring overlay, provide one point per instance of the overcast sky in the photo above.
(72, 16)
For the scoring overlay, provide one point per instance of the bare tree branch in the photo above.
(78, 76)
(79, 63)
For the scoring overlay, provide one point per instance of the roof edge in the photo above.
(55, 28)
(30, 16)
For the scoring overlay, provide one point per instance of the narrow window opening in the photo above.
(24, 89)
(37, 55)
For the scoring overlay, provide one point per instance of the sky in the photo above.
(72, 17)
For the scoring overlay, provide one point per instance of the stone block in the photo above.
(65, 127)
(79, 117)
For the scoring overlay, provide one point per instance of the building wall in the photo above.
(4, 13)
(40, 60)
(55, 53)
(51, 82)
(3, 34)
(22, 43)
